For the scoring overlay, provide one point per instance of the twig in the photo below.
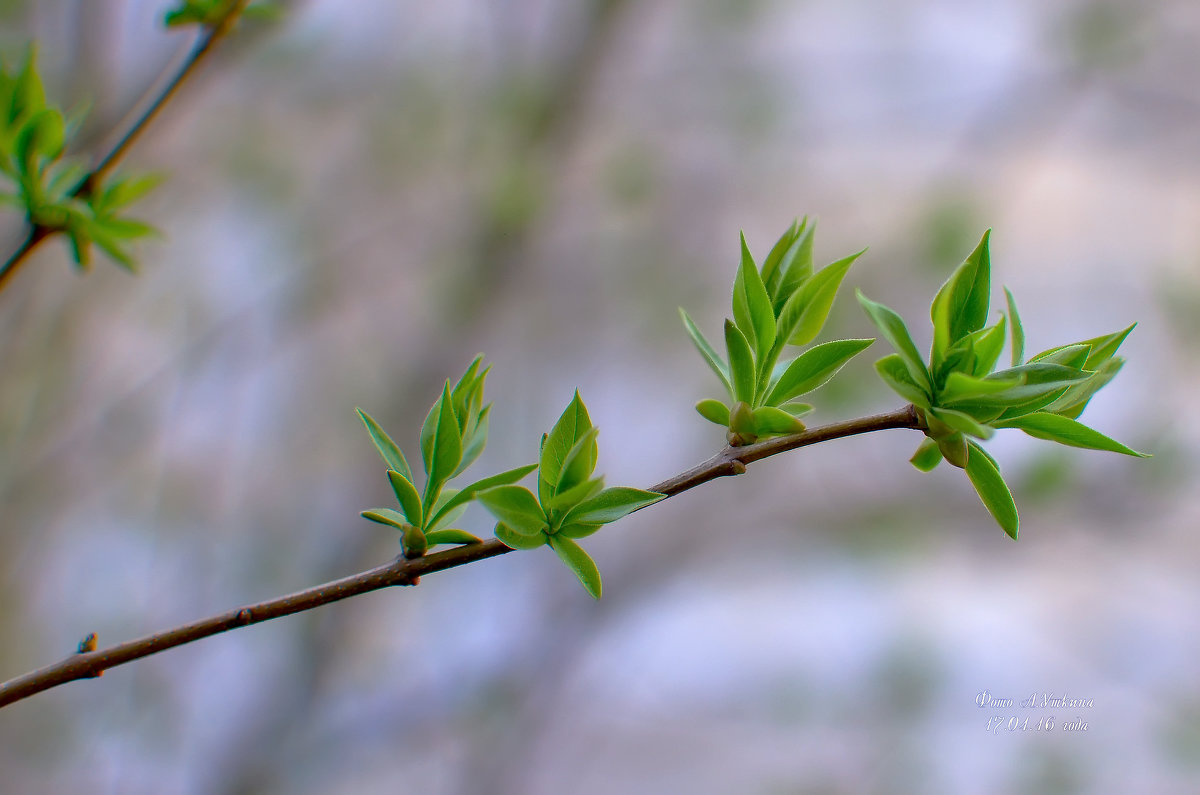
(401, 571)
(34, 236)
(108, 159)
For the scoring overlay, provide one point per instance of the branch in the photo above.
(113, 153)
(402, 571)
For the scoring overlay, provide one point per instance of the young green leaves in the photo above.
(570, 503)
(784, 303)
(54, 191)
(962, 397)
(453, 436)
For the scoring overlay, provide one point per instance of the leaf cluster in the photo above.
(784, 303)
(570, 503)
(453, 436)
(963, 398)
(55, 191)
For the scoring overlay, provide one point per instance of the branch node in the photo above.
(737, 467)
(245, 616)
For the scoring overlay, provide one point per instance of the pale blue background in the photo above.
(364, 196)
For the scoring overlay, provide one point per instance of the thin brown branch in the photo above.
(33, 236)
(110, 155)
(730, 461)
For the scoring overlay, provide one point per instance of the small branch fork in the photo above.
(402, 571)
(108, 159)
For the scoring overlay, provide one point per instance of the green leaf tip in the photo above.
(611, 504)
(707, 351)
(388, 450)
(961, 305)
(892, 326)
(1064, 430)
(752, 305)
(992, 490)
(578, 561)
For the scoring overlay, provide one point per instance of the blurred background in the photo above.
(364, 195)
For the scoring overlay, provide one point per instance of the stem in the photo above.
(35, 235)
(401, 571)
(113, 153)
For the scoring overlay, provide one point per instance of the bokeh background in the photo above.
(364, 195)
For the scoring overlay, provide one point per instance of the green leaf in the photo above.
(895, 373)
(985, 477)
(1098, 350)
(184, 16)
(771, 273)
(478, 440)
(797, 409)
(610, 505)
(769, 420)
(61, 179)
(388, 449)
(467, 493)
(406, 494)
(953, 448)
(28, 95)
(1104, 347)
(961, 305)
(813, 368)
(708, 352)
(511, 538)
(516, 507)
(1064, 430)
(894, 331)
(429, 431)
(579, 463)
(445, 450)
(387, 516)
(572, 425)
(412, 540)
(123, 192)
(437, 519)
(451, 536)
(576, 530)
(565, 500)
(126, 228)
(468, 385)
(111, 247)
(752, 306)
(1040, 381)
(960, 386)
(1074, 399)
(927, 456)
(1018, 333)
(80, 247)
(796, 267)
(804, 314)
(579, 562)
(1073, 356)
(741, 363)
(714, 411)
(263, 12)
(962, 422)
(41, 136)
(974, 354)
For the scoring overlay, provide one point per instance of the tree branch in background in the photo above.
(110, 155)
(402, 571)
